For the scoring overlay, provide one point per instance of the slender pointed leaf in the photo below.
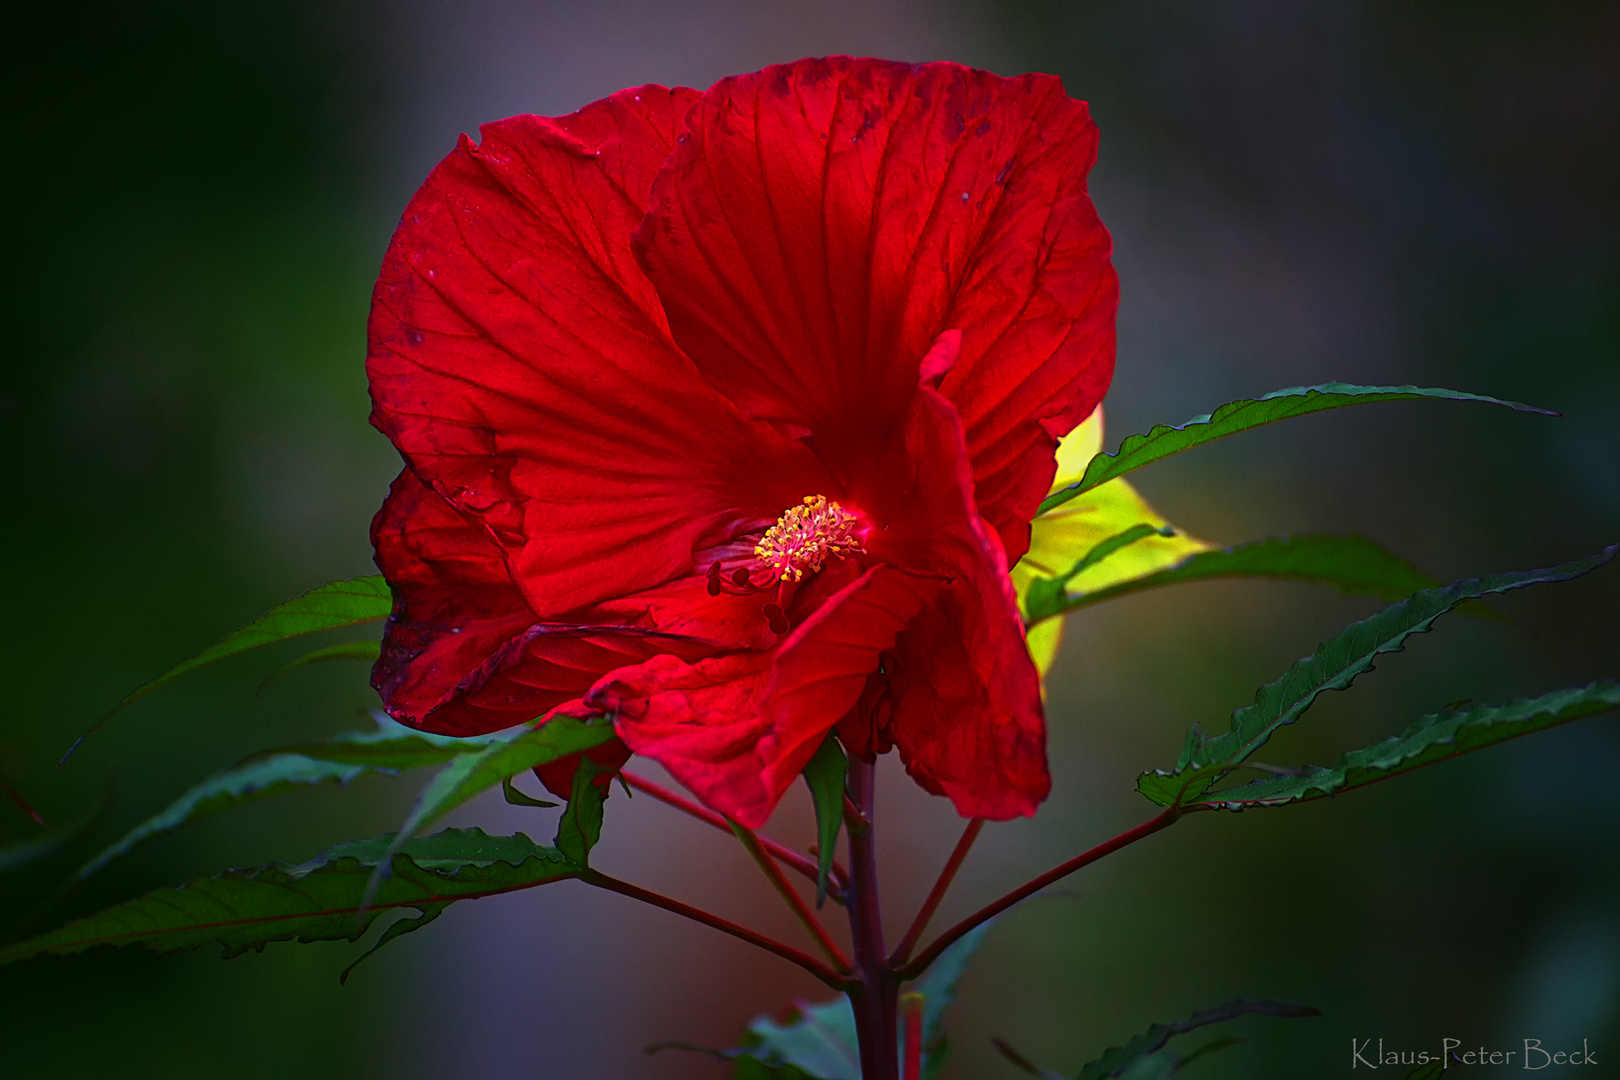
(1351, 564)
(315, 901)
(278, 772)
(1117, 1060)
(1235, 416)
(335, 604)
(1334, 666)
(347, 650)
(1436, 737)
(824, 776)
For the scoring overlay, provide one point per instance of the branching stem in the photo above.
(1035, 885)
(903, 950)
(725, 926)
(794, 901)
(838, 878)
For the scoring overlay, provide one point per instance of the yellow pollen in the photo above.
(802, 538)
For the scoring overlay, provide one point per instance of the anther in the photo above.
(776, 617)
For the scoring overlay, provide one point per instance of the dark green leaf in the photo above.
(278, 772)
(316, 901)
(1047, 596)
(45, 844)
(507, 754)
(1334, 666)
(1352, 564)
(1117, 1060)
(347, 650)
(825, 778)
(335, 604)
(580, 826)
(1434, 1070)
(1436, 737)
(1235, 416)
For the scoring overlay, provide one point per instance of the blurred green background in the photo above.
(197, 198)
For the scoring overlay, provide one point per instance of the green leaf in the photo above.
(825, 778)
(1047, 595)
(1434, 1070)
(315, 901)
(346, 650)
(1334, 666)
(335, 604)
(1436, 737)
(1235, 416)
(1352, 564)
(821, 1040)
(506, 754)
(938, 989)
(1118, 1060)
(580, 826)
(277, 772)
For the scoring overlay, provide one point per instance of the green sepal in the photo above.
(580, 826)
(1446, 734)
(1242, 415)
(824, 776)
(1334, 666)
(242, 910)
(514, 797)
(335, 604)
(1351, 564)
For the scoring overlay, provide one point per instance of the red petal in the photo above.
(558, 776)
(964, 694)
(700, 721)
(463, 654)
(737, 731)
(522, 364)
(824, 221)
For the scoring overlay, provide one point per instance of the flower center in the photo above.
(803, 538)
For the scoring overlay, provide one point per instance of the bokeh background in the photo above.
(196, 199)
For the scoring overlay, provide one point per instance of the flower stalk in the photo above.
(875, 993)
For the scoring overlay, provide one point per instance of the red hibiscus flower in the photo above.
(727, 413)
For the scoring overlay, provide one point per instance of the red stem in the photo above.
(930, 905)
(838, 878)
(1062, 870)
(795, 902)
(786, 952)
(874, 995)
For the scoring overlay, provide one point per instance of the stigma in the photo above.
(805, 537)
